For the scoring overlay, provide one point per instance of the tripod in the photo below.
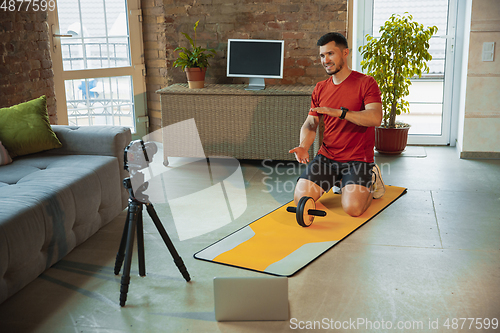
(134, 221)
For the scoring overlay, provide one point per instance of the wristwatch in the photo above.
(344, 112)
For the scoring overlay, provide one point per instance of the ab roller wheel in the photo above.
(306, 211)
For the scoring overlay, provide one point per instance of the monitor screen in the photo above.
(255, 58)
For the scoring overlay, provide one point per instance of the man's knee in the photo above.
(354, 208)
(355, 199)
(307, 188)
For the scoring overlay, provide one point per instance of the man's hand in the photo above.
(328, 111)
(301, 154)
(369, 117)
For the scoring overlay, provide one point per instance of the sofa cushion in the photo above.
(25, 128)
(53, 203)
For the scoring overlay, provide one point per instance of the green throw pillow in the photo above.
(25, 128)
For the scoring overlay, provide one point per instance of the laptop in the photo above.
(251, 298)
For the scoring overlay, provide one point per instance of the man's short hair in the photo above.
(336, 37)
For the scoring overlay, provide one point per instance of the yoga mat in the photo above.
(277, 245)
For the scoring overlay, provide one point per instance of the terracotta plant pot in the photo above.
(196, 77)
(391, 141)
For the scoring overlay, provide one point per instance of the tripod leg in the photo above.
(121, 251)
(140, 245)
(134, 210)
(177, 259)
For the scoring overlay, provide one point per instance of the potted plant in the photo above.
(194, 61)
(399, 54)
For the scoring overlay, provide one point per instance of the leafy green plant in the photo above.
(194, 57)
(399, 54)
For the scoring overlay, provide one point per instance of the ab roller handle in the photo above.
(315, 212)
(305, 211)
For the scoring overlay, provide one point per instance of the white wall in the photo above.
(479, 120)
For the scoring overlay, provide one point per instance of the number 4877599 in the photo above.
(471, 323)
(27, 5)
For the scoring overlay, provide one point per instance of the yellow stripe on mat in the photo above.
(276, 244)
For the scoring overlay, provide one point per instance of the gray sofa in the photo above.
(52, 201)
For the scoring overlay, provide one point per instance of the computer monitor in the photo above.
(257, 59)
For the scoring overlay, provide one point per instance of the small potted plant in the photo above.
(399, 54)
(194, 61)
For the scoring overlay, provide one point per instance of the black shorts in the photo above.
(327, 173)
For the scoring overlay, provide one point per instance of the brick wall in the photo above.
(26, 66)
(298, 22)
(153, 29)
(25, 61)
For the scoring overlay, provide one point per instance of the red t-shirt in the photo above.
(344, 141)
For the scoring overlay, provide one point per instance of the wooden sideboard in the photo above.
(235, 122)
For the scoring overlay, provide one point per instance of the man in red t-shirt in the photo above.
(350, 104)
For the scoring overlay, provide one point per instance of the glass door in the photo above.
(99, 77)
(430, 96)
